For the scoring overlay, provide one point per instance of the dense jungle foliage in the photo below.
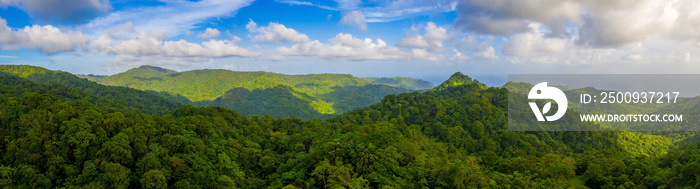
(453, 136)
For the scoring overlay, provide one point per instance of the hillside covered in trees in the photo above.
(402, 82)
(131, 98)
(311, 96)
(453, 136)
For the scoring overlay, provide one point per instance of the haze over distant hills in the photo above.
(250, 93)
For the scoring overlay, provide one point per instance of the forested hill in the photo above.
(451, 137)
(131, 98)
(314, 96)
(402, 82)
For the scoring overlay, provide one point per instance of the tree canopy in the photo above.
(454, 136)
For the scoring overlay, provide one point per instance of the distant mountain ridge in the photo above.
(304, 96)
(131, 98)
(402, 82)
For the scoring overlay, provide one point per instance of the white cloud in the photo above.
(422, 54)
(616, 24)
(432, 40)
(534, 48)
(145, 44)
(235, 39)
(46, 38)
(584, 32)
(276, 32)
(348, 40)
(176, 17)
(458, 56)
(413, 41)
(346, 47)
(436, 34)
(488, 54)
(533, 43)
(210, 33)
(211, 48)
(504, 17)
(7, 56)
(149, 46)
(50, 10)
(355, 18)
(598, 24)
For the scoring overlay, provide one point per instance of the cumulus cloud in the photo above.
(46, 38)
(458, 56)
(488, 54)
(503, 17)
(597, 24)
(533, 43)
(355, 18)
(432, 40)
(346, 47)
(534, 48)
(75, 11)
(349, 40)
(235, 39)
(275, 32)
(616, 24)
(414, 41)
(152, 46)
(210, 33)
(422, 54)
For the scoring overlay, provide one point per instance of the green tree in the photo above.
(153, 179)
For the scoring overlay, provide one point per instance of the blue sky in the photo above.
(486, 39)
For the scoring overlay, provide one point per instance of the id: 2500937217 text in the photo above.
(630, 97)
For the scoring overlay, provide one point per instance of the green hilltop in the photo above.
(458, 79)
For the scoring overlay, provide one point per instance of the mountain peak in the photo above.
(458, 79)
(457, 74)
